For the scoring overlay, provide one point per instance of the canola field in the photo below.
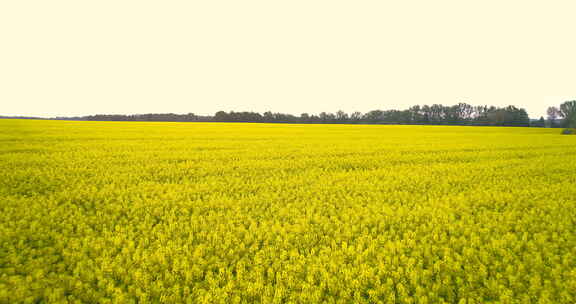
(129, 212)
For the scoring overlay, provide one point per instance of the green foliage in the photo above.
(258, 213)
(569, 131)
(568, 112)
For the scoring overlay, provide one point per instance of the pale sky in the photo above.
(63, 58)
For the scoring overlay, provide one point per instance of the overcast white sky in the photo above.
(86, 57)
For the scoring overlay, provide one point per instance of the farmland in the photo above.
(112, 212)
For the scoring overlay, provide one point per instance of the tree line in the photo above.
(190, 117)
(460, 114)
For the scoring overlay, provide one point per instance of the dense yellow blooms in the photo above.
(246, 213)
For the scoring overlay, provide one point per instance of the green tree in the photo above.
(568, 112)
(553, 113)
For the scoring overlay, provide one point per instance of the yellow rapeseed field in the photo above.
(129, 212)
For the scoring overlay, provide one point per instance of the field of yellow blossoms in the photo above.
(129, 212)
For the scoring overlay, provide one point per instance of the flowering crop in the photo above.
(133, 212)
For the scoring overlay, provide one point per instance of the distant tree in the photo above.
(221, 116)
(323, 117)
(425, 112)
(452, 114)
(341, 116)
(327, 117)
(355, 117)
(497, 117)
(416, 114)
(374, 116)
(568, 112)
(553, 113)
(437, 113)
(465, 111)
(480, 115)
(330, 117)
(268, 116)
(191, 117)
(517, 117)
